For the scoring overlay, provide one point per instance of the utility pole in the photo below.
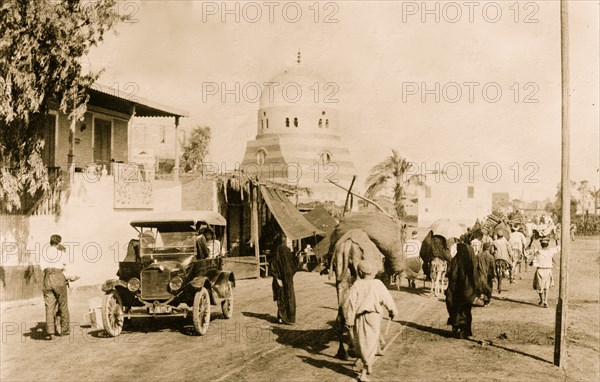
(560, 331)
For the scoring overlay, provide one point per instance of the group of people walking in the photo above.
(480, 259)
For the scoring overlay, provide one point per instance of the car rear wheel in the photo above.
(112, 313)
(201, 311)
(227, 304)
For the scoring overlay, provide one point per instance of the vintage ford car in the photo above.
(165, 274)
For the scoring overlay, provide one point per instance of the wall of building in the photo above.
(119, 146)
(198, 193)
(84, 150)
(156, 134)
(89, 224)
(451, 201)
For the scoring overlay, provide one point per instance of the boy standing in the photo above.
(543, 259)
(362, 310)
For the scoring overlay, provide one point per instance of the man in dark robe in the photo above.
(283, 268)
(486, 271)
(463, 287)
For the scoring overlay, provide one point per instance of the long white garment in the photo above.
(362, 308)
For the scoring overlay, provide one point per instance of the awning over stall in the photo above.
(292, 222)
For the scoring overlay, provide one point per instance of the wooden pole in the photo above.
(560, 333)
(254, 224)
(348, 195)
(363, 198)
(71, 153)
(177, 154)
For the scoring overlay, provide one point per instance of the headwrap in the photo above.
(368, 267)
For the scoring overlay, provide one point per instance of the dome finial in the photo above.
(299, 59)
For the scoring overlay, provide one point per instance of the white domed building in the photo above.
(299, 139)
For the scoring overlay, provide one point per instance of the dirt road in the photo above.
(251, 346)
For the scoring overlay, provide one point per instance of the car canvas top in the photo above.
(181, 217)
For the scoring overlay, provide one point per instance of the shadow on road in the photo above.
(514, 301)
(38, 332)
(344, 369)
(416, 291)
(261, 316)
(428, 329)
(148, 325)
(313, 340)
(494, 345)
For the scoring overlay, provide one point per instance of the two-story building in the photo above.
(96, 189)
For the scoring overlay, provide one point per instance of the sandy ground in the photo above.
(518, 338)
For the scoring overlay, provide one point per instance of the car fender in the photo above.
(221, 285)
(200, 282)
(112, 284)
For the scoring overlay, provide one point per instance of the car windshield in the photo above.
(152, 241)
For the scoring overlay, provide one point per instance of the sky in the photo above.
(450, 85)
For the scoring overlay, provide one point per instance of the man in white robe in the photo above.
(362, 309)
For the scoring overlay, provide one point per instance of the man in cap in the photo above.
(362, 309)
(517, 242)
(213, 245)
(543, 259)
(54, 263)
(502, 252)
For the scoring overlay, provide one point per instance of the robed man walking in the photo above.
(463, 287)
(283, 268)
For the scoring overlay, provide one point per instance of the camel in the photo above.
(358, 236)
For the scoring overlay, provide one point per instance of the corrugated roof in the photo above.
(104, 96)
(292, 222)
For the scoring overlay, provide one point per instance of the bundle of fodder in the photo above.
(497, 221)
(384, 231)
(413, 268)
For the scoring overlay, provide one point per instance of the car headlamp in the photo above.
(133, 284)
(176, 283)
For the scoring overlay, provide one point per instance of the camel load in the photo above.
(385, 232)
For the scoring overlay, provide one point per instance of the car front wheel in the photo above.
(112, 313)
(201, 311)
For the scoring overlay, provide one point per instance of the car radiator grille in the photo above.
(155, 284)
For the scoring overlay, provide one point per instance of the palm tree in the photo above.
(392, 170)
